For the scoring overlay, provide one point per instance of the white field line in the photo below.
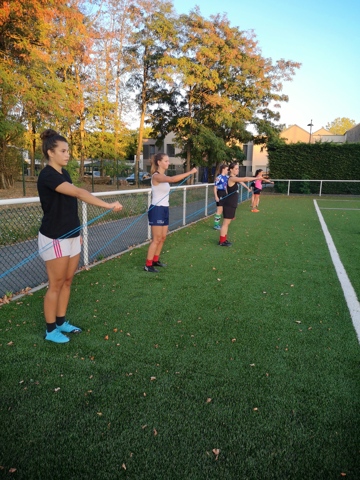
(349, 292)
(346, 209)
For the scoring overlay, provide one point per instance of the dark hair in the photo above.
(50, 138)
(232, 165)
(258, 171)
(155, 159)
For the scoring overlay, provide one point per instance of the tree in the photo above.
(11, 160)
(39, 44)
(218, 80)
(154, 31)
(19, 38)
(340, 125)
(106, 97)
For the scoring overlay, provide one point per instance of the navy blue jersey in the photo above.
(221, 182)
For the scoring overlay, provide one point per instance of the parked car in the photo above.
(95, 173)
(97, 178)
(144, 178)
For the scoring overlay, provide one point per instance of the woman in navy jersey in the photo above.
(58, 197)
(220, 185)
(158, 213)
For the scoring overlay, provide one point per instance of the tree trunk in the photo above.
(82, 145)
(141, 127)
(6, 179)
(32, 149)
(82, 124)
(188, 158)
(139, 146)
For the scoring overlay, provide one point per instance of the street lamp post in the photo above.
(310, 125)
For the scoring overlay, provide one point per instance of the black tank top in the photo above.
(233, 198)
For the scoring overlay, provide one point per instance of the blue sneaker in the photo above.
(56, 336)
(217, 227)
(66, 327)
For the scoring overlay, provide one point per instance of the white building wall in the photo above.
(328, 138)
(256, 157)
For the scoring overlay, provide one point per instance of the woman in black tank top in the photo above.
(231, 201)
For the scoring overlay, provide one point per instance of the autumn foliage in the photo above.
(88, 69)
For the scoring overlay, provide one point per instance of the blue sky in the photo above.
(322, 35)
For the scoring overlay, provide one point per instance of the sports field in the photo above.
(231, 363)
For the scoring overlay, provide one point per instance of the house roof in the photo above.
(295, 134)
(294, 127)
(322, 131)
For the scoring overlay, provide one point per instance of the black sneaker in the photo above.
(225, 244)
(150, 269)
(159, 264)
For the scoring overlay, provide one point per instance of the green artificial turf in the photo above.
(230, 363)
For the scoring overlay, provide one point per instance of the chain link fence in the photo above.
(109, 234)
(105, 234)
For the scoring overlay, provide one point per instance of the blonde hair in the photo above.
(155, 159)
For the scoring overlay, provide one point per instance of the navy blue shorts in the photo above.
(158, 216)
(257, 191)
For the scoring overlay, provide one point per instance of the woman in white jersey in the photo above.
(158, 213)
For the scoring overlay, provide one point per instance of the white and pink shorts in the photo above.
(50, 248)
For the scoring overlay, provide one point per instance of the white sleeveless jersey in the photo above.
(160, 193)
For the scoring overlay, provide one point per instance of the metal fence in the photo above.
(105, 234)
(317, 187)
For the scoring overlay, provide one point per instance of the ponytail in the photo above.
(50, 138)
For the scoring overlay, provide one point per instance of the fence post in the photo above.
(206, 200)
(85, 233)
(289, 187)
(184, 206)
(148, 227)
(320, 188)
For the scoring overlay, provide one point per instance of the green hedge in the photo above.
(326, 161)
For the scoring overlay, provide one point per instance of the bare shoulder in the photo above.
(158, 177)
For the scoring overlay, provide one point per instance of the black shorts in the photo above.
(220, 194)
(257, 191)
(229, 212)
(158, 216)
